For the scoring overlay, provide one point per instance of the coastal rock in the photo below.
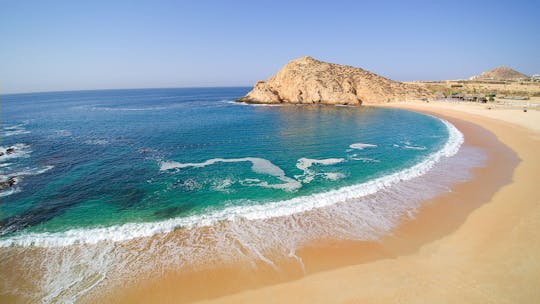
(310, 81)
(8, 151)
(10, 182)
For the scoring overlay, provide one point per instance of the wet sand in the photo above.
(477, 243)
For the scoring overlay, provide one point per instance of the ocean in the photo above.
(97, 176)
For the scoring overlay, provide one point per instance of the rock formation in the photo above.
(308, 81)
(7, 183)
(500, 73)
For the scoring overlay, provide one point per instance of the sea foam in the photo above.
(305, 164)
(33, 171)
(20, 174)
(365, 159)
(409, 147)
(15, 130)
(21, 150)
(10, 191)
(258, 165)
(26, 172)
(362, 146)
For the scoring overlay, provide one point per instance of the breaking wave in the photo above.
(17, 151)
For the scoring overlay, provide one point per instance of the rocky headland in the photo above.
(310, 81)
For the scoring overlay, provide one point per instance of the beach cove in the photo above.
(285, 152)
(483, 252)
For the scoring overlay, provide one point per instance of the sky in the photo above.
(81, 45)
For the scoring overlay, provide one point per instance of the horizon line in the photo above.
(120, 89)
(188, 87)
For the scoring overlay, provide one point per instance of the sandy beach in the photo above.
(475, 244)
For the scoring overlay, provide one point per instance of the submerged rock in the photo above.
(10, 182)
(310, 81)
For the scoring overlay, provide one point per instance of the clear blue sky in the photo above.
(71, 45)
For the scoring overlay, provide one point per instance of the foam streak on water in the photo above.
(14, 130)
(362, 146)
(258, 165)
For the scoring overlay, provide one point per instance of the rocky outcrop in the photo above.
(7, 183)
(500, 73)
(8, 151)
(310, 81)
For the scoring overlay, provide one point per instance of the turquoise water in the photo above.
(93, 159)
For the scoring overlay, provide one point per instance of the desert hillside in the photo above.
(500, 73)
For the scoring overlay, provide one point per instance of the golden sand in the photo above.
(477, 244)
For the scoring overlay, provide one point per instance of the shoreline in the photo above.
(491, 257)
(438, 216)
(324, 258)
